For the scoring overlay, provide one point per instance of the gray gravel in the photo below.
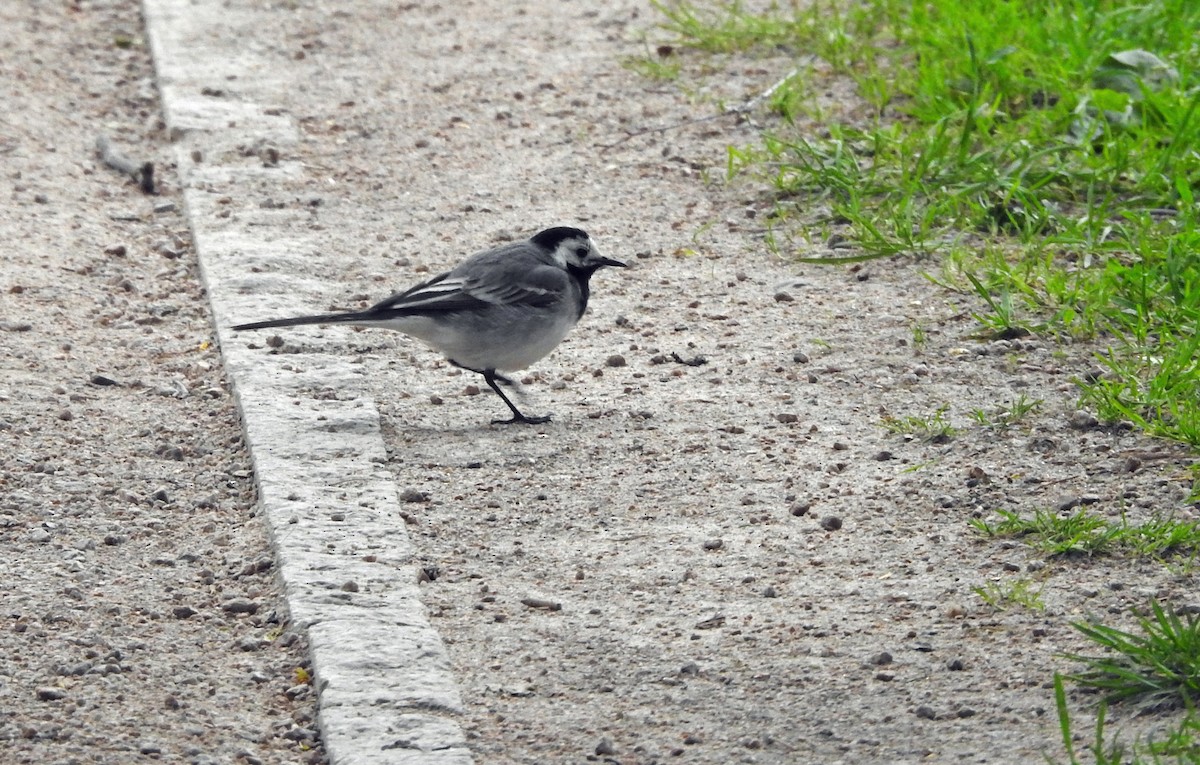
(704, 557)
(141, 617)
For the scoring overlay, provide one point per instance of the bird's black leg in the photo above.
(490, 376)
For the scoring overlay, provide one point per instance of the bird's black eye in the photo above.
(581, 252)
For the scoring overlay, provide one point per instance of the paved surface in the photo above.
(385, 692)
(736, 544)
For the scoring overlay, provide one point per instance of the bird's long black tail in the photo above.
(327, 318)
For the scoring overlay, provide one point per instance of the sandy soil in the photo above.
(141, 618)
(723, 561)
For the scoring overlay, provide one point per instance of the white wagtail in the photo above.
(500, 310)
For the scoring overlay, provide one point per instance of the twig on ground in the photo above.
(142, 173)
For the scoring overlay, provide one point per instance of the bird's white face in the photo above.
(577, 252)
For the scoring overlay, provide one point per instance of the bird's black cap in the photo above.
(552, 237)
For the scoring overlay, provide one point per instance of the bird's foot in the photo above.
(523, 419)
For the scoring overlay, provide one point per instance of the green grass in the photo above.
(1020, 592)
(1005, 416)
(1154, 667)
(934, 427)
(1047, 152)
(1181, 745)
(1158, 665)
(1082, 533)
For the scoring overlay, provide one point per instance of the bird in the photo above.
(500, 310)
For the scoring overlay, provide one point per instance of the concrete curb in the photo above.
(386, 694)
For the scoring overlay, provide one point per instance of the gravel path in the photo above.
(713, 554)
(141, 617)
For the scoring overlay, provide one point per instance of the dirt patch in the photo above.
(727, 560)
(141, 618)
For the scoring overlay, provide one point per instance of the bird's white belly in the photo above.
(505, 346)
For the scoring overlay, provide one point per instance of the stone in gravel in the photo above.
(183, 612)
(799, 508)
(1082, 420)
(298, 691)
(770, 592)
(79, 668)
(691, 668)
(605, 747)
(615, 360)
(160, 495)
(831, 523)
(884, 456)
(713, 544)
(925, 712)
(881, 659)
(51, 694)
(412, 495)
(39, 536)
(783, 297)
(955, 665)
(542, 603)
(350, 586)
(787, 417)
(301, 734)
(240, 606)
(800, 357)
(886, 677)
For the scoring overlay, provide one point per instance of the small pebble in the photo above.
(240, 606)
(955, 665)
(926, 712)
(799, 508)
(784, 297)
(831, 523)
(713, 544)
(605, 747)
(881, 659)
(412, 495)
(1082, 420)
(183, 612)
(616, 360)
(51, 694)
